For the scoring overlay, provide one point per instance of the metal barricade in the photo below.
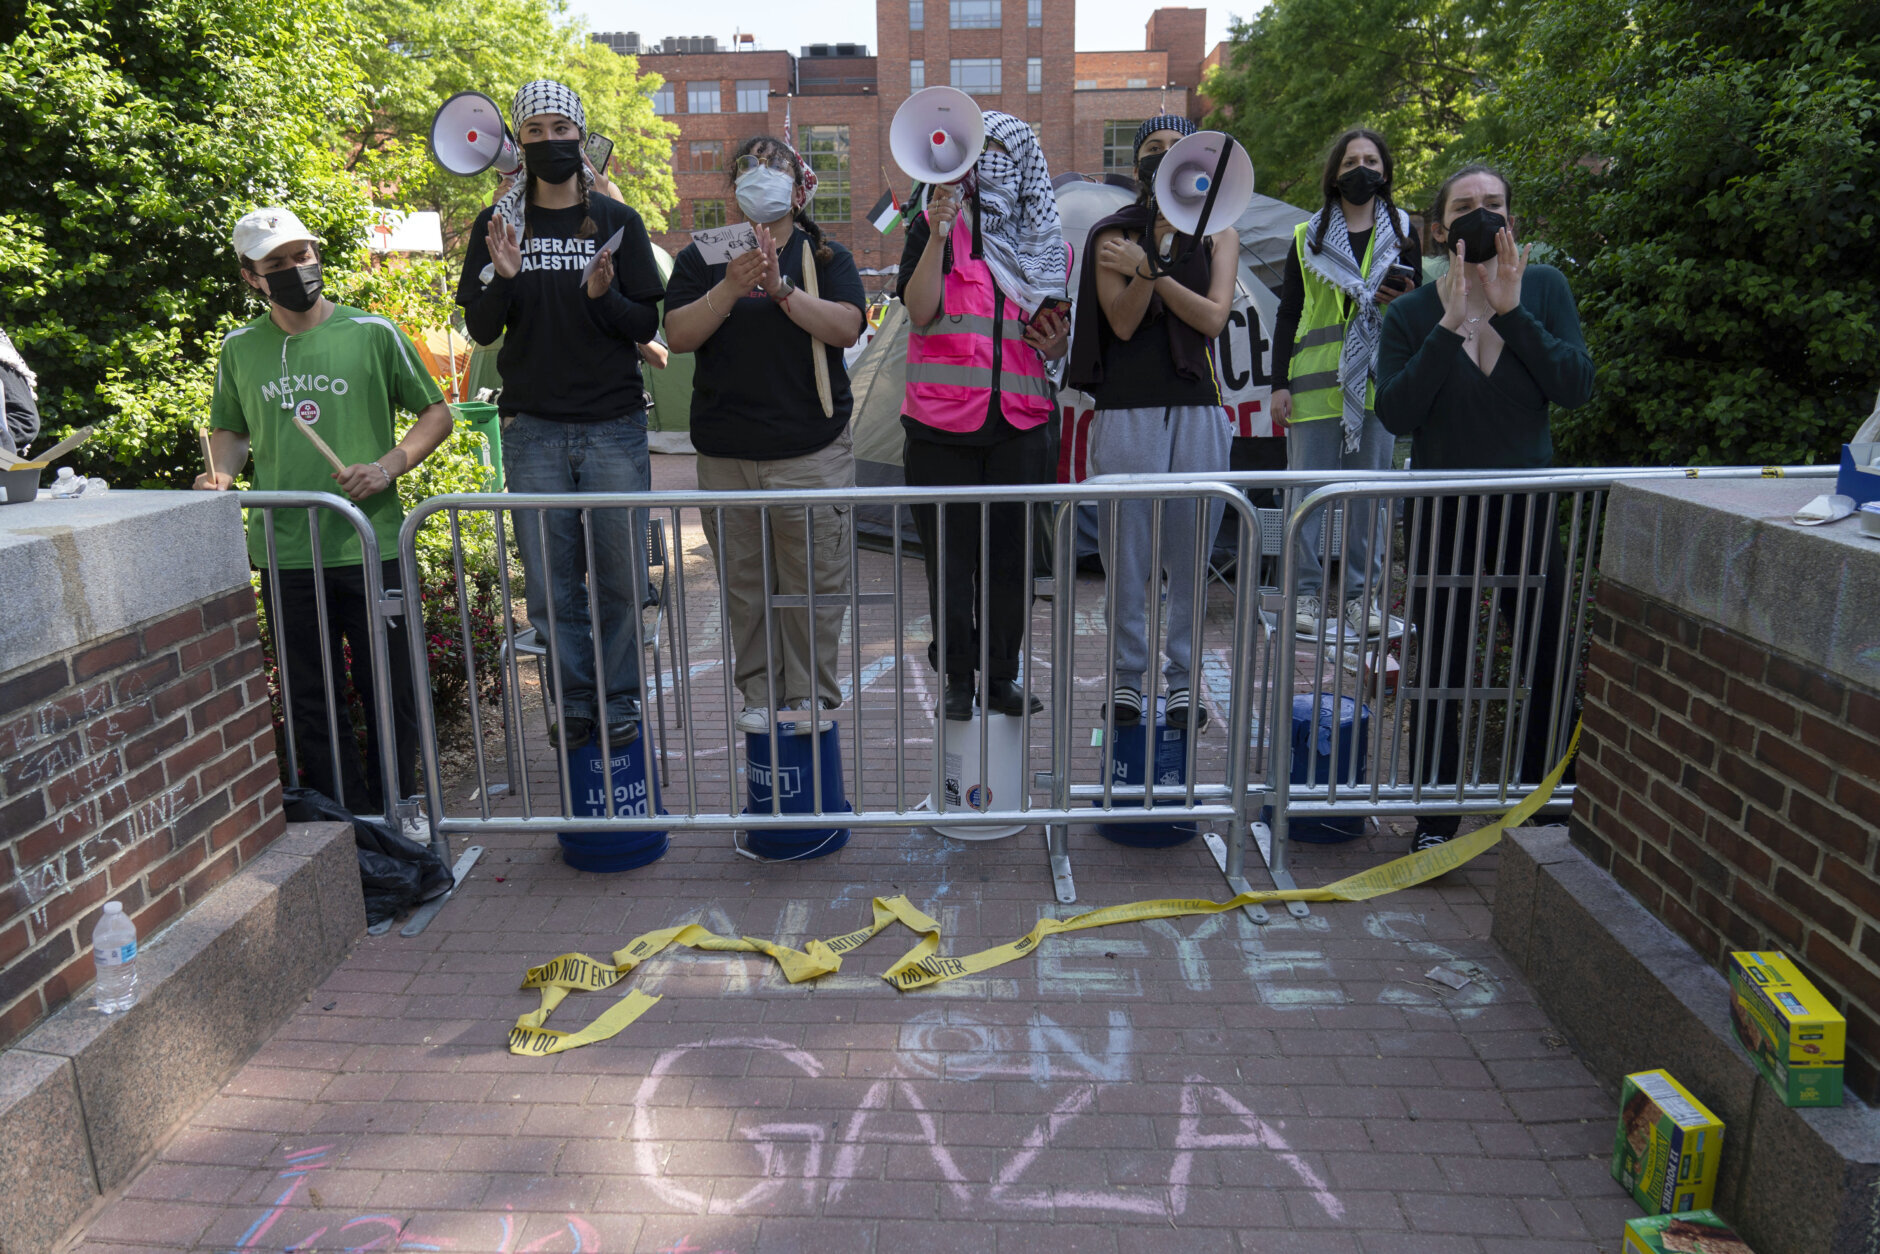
(892, 753)
(376, 609)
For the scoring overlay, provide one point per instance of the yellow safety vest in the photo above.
(1320, 340)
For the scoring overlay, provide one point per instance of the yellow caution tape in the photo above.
(922, 967)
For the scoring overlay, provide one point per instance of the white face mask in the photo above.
(765, 194)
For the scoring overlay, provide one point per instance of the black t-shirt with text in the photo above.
(754, 383)
(566, 357)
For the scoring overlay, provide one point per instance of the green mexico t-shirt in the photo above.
(342, 378)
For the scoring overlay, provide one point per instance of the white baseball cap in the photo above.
(261, 231)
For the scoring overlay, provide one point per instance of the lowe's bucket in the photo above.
(794, 776)
(1350, 724)
(636, 795)
(1171, 770)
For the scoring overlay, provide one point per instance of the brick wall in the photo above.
(139, 768)
(1183, 34)
(1735, 790)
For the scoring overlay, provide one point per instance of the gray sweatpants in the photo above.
(1193, 438)
(1320, 445)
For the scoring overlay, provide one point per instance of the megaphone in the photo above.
(1206, 177)
(468, 136)
(937, 135)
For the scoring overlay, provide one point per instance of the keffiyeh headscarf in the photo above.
(11, 360)
(1019, 231)
(1338, 265)
(1165, 122)
(544, 95)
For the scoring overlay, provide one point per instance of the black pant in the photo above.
(1446, 548)
(1024, 458)
(303, 679)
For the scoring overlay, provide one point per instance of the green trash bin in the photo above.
(483, 420)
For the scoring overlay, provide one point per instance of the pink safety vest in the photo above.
(950, 360)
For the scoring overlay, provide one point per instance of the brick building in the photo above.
(838, 100)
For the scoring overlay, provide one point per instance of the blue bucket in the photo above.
(795, 792)
(1171, 769)
(636, 794)
(1350, 723)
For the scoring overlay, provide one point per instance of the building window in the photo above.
(701, 97)
(1034, 12)
(916, 14)
(753, 95)
(707, 213)
(1138, 82)
(974, 14)
(1034, 74)
(1086, 84)
(916, 75)
(707, 155)
(662, 101)
(978, 74)
(1119, 147)
(826, 148)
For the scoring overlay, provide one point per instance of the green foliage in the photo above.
(430, 51)
(133, 135)
(1708, 175)
(1416, 71)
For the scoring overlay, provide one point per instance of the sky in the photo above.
(1102, 25)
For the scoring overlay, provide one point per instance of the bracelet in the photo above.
(712, 307)
(380, 467)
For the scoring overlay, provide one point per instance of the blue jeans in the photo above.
(540, 455)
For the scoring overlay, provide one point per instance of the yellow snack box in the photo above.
(1798, 1039)
(1668, 1147)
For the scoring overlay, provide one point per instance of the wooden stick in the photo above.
(816, 353)
(66, 445)
(208, 457)
(306, 429)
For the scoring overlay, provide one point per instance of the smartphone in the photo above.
(1057, 305)
(599, 149)
(1401, 277)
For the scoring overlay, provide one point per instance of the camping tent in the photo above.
(878, 376)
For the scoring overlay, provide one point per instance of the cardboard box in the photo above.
(1859, 477)
(1798, 1039)
(1668, 1146)
(1691, 1232)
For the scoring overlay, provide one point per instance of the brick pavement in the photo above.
(1195, 1084)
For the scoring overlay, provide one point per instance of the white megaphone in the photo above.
(468, 136)
(1194, 186)
(937, 135)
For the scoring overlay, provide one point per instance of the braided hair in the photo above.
(1328, 180)
(771, 144)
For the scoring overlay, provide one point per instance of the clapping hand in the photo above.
(1503, 288)
(767, 250)
(1453, 287)
(744, 271)
(505, 251)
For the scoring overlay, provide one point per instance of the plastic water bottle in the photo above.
(66, 483)
(114, 953)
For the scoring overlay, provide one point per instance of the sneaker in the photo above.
(801, 726)
(754, 719)
(1310, 619)
(1426, 840)
(1362, 618)
(1182, 708)
(1127, 704)
(416, 829)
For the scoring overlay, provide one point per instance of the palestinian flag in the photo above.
(889, 212)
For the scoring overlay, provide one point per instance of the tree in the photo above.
(1302, 71)
(1707, 175)
(424, 52)
(133, 135)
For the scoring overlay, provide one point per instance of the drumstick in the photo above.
(816, 353)
(306, 429)
(208, 456)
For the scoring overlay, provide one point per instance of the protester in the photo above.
(1468, 366)
(572, 405)
(1154, 301)
(340, 371)
(1347, 264)
(20, 386)
(759, 423)
(978, 399)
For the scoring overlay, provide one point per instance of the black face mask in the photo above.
(1360, 184)
(553, 160)
(297, 289)
(1477, 229)
(1146, 168)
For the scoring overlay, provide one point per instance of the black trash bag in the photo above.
(396, 873)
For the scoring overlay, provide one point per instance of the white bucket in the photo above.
(1004, 787)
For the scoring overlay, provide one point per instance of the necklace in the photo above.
(1468, 332)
